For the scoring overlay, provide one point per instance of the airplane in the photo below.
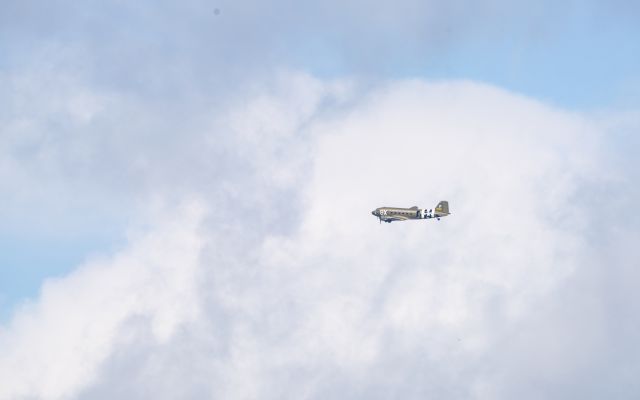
(390, 214)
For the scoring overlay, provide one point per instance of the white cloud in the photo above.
(228, 304)
(55, 345)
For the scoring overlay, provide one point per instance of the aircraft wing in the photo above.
(395, 218)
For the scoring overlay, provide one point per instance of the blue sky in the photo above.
(579, 56)
(116, 118)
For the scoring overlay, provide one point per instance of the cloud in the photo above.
(101, 96)
(54, 345)
(166, 50)
(276, 282)
(279, 283)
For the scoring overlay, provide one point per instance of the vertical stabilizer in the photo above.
(442, 208)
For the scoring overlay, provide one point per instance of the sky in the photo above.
(186, 191)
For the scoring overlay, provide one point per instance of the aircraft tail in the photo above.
(442, 208)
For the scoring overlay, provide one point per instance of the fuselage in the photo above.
(390, 214)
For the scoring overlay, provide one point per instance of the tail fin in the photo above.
(442, 208)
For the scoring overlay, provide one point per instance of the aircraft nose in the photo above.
(373, 212)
